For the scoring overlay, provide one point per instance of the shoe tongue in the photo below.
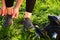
(9, 16)
(28, 23)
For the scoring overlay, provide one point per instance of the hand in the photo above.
(4, 11)
(15, 13)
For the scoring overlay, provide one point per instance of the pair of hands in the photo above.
(4, 12)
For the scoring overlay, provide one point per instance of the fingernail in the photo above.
(12, 16)
(2, 14)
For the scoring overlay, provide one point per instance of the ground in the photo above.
(42, 9)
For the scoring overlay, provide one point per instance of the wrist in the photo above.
(4, 6)
(16, 8)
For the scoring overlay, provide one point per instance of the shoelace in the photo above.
(8, 21)
(27, 24)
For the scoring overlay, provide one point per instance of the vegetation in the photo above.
(42, 9)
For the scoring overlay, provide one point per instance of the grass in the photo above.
(42, 9)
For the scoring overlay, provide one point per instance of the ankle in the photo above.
(27, 15)
(9, 11)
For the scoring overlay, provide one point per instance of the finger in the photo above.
(13, 15)
(0, 11)
(4, 12)
(16, 15)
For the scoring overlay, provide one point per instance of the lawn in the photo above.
(42, 9)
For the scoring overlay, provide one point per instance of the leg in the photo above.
(9, 5)
(8, 19)
(29, 8)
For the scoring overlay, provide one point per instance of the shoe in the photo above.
(28, 24)
(39, 32)
(8, 21)
(54, 19)
(54, 35)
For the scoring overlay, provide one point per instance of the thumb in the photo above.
(15, 15)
